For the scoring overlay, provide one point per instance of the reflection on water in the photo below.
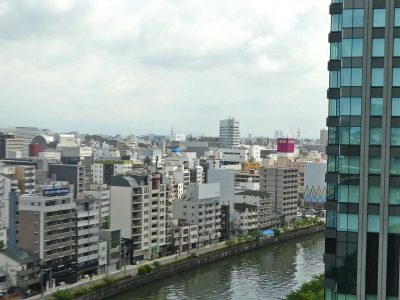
(266, 273)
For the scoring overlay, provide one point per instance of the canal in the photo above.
(266, 273)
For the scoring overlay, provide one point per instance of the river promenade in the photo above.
(170, 265)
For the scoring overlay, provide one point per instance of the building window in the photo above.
(334, 79)
(347, 222)
(350, 106)
(335, 50)
(373, 223)
(349, 135)
(395, 136)
(336, 22)
(352, 47)
(376, 106)
(333, 107)
(378, 47)
(377, 77)
(395, 165)
(351, 77)
(394, 224)
(375, 136)
(348, 193)
(396, 76)
(348, 164)
(374, 194)
(396, 47)
(378, 18)
(353, 18)
(396, 107)
(397, 17)
(332, 136)
(374, 165)
(394, 196)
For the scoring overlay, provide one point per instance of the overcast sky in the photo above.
(143, 66)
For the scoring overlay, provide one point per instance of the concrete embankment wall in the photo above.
(129, 283)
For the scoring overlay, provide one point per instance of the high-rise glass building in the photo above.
(362, 253)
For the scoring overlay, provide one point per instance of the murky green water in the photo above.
(266, 273)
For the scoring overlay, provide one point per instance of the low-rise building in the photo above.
(185, 235)
(262, 201)
(22, 270)
(246, 216)
(202, 207)
(113, 255)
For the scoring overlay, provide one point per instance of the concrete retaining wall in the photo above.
(132, 282)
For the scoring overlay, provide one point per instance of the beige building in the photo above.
(140, 208)
(282, 184)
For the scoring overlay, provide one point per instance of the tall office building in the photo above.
(362, 250)
(229, 133)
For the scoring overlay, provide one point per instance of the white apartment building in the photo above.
(103, 194)
(140, 208)
(201, 207)
(104, 169)
(87, 222)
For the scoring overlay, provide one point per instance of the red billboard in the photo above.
(285, 145)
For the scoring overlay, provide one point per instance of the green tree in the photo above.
(312, 290)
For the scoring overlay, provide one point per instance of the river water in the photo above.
(266, 273)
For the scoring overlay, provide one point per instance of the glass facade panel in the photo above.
(394, 196)
(332, 136)
(395, 165)
(396, 47)
(336, 22)
(378, 47)
(353, 17)
(395, 136)
(373, 223)
(347, 222)
(376, 106)
(378, 18)
(331, 219)
(374, 165)
(348, 193)
(333, 107)
(397, 17)
(394, 224)
(374, 194)
(377, 77)
(351, 76)
(396, 107)
(334, 79)
(375, 136)
(396, 76)
(335, 51)
(352, 47)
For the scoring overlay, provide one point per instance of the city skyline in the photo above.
(137, 65)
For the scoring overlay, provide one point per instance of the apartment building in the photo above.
(140, 208)
(47, 228)
(87, 238)
(201, 207)
(263, 203)
(281, 183)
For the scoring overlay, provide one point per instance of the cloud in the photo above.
(141, 66)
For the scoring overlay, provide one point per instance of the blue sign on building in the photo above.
(56, 192)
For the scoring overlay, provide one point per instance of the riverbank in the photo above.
(173, 265)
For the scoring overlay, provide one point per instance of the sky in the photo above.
(135, 67)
